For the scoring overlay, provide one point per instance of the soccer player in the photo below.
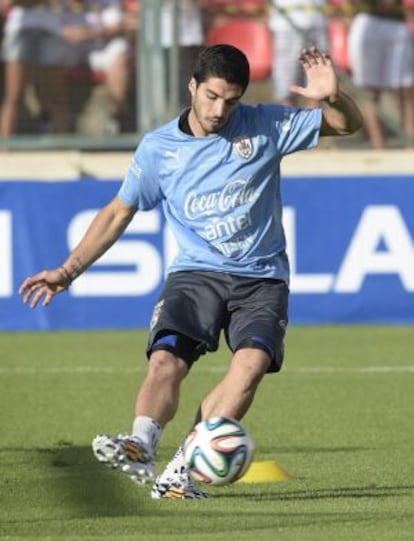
(216, 170)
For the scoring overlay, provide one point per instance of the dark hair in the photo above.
(225, 62)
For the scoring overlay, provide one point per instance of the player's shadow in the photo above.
(89, 488)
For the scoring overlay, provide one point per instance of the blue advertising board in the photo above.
(350, 244)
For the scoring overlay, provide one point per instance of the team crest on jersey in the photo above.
(243, 146)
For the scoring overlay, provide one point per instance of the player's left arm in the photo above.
(104, 230)
(340, 113)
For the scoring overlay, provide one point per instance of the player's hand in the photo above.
(322, 81)
(45, 284)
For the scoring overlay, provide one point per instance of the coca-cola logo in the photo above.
(234, 194)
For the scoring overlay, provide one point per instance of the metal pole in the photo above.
(174, 60)
(151, 83)
(158, 87)
(143, 108)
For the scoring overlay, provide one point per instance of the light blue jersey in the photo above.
(221, 193)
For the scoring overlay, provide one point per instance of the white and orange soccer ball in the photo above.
(218, 451)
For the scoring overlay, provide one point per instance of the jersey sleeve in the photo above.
(141, 186)
(295, 129)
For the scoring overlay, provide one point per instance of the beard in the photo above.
(209, 125)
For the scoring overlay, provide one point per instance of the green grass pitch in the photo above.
(339, 418)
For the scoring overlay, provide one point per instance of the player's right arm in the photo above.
(107, 226)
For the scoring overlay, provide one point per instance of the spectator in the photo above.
(190, 39)
(32, 47)
(97, 34)
(295, 26)
(381, 56)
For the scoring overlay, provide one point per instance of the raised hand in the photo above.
(46, 285)
(322, 81)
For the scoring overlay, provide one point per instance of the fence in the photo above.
(153, 94)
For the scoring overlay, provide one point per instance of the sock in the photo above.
(147, 429)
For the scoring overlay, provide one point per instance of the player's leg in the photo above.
(156, 404)
(159, 393)
(171, 352)
(204, 307)
(234, 394)
(255, 332)
(232, 397)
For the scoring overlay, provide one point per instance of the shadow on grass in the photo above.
(69, 477)
(94, 489)
(63, 491)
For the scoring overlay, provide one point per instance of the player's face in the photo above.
(212, 103)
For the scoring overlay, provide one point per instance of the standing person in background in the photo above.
(216, 170)
(296, 25)
(96, 29)
(190, 39)
(33, 49)
(382, 58)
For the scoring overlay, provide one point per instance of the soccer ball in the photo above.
(218, 451)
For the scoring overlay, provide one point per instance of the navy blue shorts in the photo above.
(195, 306)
